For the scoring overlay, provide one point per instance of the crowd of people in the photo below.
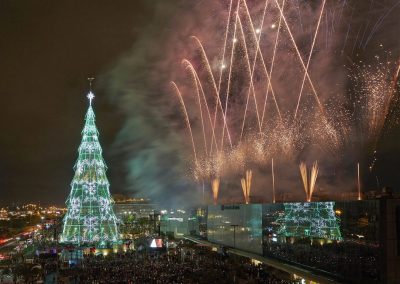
(348, 259)
(191, 266)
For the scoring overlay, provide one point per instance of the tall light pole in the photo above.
(234, 235)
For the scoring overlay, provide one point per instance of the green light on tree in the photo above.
(90, 219)
(315, 220)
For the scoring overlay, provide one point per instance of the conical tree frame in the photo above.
(90, 219)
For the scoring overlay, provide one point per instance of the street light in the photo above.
(234, 235)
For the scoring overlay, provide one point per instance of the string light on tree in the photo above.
(90, 219)
(315, 220)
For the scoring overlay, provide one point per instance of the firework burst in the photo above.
(263, 95)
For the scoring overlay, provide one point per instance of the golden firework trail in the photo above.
(246, 185)
(304, 177)
(309, 58)
(313, 180)
(224, 84)
(309, 179)
(301, 59)
(230, 72)
(273, 181)
(198, 85)
(271, 69)
(215, 189)
(178, 93)
(210, 73)
(258, 51)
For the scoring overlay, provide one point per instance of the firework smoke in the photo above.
(248, 70)
(376, 89)
(273, 181)
(266, 129)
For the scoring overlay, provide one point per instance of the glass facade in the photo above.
(353, 241)
(237, 226)
(398, 229)
(178, 223)
(341, 238)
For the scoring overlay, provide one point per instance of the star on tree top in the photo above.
(90, 96)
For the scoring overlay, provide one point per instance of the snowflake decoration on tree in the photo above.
(80, 169)
(104, 204)
(318, 227)
(75, 206)
(311, 219)
(91, 224)
(91, 188)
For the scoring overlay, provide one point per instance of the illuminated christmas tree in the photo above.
(316, 220)
(90, 219)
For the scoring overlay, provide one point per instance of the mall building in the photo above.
(327, 241)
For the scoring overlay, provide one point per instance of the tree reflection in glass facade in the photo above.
(316, 220)
(341, 238)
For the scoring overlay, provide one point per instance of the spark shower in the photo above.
(274, 89)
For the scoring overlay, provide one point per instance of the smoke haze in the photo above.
(154, 140)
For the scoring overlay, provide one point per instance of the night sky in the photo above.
(48, 49)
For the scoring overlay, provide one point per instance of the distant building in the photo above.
(4, 214)
(179, 222)
(354, 241)
(137, 207)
